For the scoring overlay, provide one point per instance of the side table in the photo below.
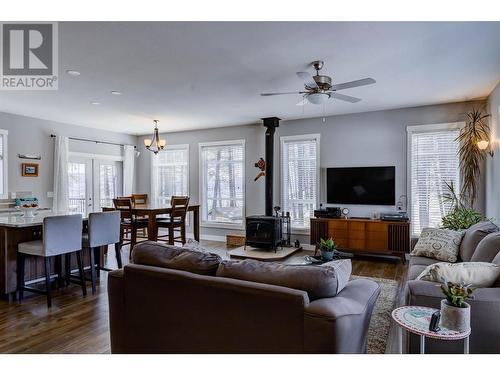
(416, 319)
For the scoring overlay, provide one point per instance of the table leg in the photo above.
(196, 223)
(422, 344)
(466, 345)
(152, 227)
(400, 339)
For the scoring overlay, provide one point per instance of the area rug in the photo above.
(378, 331)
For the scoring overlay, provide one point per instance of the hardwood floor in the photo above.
(77, 324)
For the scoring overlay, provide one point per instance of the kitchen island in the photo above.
(14, 229)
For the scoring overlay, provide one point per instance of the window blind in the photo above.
(434, 162)
(171, 173)
(300, 178)
(223, 185)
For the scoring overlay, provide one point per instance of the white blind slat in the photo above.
(434, 162)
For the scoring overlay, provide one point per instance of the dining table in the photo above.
(153, 210)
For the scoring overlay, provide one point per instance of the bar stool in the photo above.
(103, 230)
(176, 220)
(61, 235)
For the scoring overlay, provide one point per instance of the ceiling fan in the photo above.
(318, 88)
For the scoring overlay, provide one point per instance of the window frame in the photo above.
(303, 137)
(154, 165)
(5, 164)
(202, 184)
(420, 129)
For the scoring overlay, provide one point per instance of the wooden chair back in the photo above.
(179, 206)
(125, 206)
(108, 209)
(139, 199)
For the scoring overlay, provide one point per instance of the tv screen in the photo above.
(361, 185)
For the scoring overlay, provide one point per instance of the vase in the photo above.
(326, 255)
(455, 318)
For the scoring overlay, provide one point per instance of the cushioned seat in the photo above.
(421, 261)
(31, 248)
(415, 270)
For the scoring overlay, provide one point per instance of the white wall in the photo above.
(32, 136)
(493, 164)
(364, 139)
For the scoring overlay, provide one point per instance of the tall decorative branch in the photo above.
(471, 157)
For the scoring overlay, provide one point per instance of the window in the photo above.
(433, 162)
(300, 178)
(3, 164)
(170, 174)
(77, 181)
(222, 178)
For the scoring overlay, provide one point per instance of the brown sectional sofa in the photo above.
(155, 308)
(481, 243)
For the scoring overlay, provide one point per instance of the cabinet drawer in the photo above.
(337, 224)
(354, 225)
(376, 227)
(356, 234)
(336, 233)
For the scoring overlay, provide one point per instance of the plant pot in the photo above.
(326, 255)
(455, 318)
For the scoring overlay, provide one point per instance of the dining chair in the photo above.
(176, 220)
(103, 230)
(139, 199)
(60, 235)
(128, 221)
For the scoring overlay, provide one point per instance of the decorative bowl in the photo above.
(28, 211)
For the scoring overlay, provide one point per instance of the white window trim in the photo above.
(5, 164)
(203, 223)
(413, 129)
(316, 137)
(153, 177)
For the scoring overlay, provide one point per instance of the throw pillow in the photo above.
(318, 281)
(472, 237)
(440, 244)
(476, 274)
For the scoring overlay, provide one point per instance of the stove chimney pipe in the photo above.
(271, 123)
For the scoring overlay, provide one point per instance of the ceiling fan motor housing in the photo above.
(323, 82)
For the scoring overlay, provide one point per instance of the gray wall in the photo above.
(32, 136)
(493, 164)
(371, 138)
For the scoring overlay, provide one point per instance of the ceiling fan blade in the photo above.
(308, 79)
(357, 83)
(280, 93)
(303, 102)
(346, 98)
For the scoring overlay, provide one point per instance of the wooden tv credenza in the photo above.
(364, 236)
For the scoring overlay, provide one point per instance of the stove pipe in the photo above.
(271, 123)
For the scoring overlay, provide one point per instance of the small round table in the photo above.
(416, 319)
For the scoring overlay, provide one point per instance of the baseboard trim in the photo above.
(208, 237)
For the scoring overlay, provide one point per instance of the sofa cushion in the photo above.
(318, 281)
(151, 253)
(473, 236)
(476, 274)
(487, 249)
(416, 260)
(415, 271)
(441, 244)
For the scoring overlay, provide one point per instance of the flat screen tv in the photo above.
(361, 185)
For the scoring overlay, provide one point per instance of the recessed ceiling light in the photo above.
(95, 103)
(116, 92)
(74, 73)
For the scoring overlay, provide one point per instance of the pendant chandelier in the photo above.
(156, 144)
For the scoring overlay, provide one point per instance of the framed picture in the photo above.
(30, 169)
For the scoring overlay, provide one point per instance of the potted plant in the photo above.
(455, 312)
(327, 249)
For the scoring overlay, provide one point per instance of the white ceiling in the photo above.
(201, 75)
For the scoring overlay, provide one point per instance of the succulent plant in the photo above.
(456, 294)
(327, 245)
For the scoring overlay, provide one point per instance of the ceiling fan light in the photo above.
(317, 98)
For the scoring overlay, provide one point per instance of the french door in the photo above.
(93, 183)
